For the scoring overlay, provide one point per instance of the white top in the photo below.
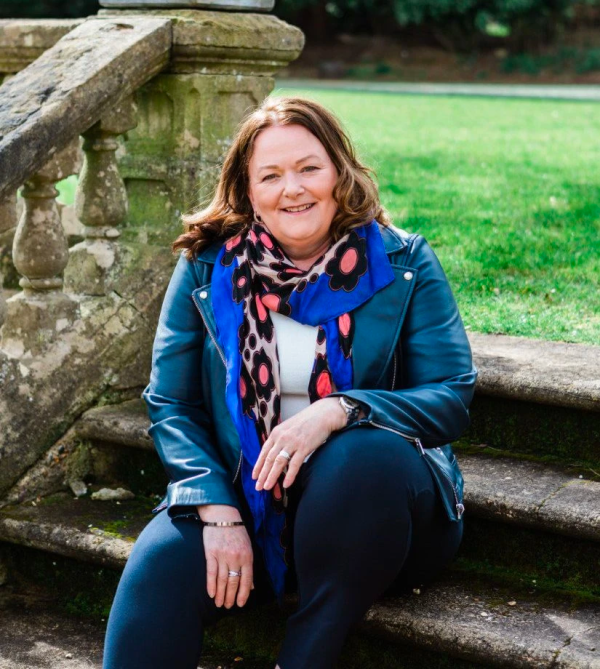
(296, 345)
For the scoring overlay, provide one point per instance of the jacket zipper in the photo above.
(460, 508)
(222, 356)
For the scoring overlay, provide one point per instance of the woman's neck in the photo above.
(307, 260)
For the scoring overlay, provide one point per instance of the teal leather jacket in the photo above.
(413, 371)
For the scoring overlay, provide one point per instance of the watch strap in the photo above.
(351, 408)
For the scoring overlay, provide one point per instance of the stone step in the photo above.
(476, 625)
(102, 532)
(93, 450)
(531, 494)
(51, 640)
(492, 626)
(537, 397)
(535, 370)
(125, 424)
(514, 492)
(531, 522)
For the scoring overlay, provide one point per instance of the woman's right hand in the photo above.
(226, 548)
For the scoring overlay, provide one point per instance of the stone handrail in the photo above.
(156, 96)
(71, 85)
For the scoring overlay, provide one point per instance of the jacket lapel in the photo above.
(377, 326)
(378, 322)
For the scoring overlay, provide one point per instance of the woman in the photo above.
(306, 354)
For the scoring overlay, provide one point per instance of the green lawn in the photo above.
(506, 191)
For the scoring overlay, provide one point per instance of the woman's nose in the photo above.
(292, 186)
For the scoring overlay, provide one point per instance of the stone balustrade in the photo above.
(155, 95)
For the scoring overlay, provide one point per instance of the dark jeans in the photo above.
(366, 516)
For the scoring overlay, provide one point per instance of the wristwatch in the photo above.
(351, 408)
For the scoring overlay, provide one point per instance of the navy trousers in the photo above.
(365, 516)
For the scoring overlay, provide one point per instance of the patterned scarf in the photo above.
(252, 276)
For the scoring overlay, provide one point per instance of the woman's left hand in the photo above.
(299, 435)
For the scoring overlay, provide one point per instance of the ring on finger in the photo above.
(284, 454)
(234, 573)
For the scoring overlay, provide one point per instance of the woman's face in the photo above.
(291, 188)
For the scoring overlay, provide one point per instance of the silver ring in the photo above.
(285, 454)
(235, 573)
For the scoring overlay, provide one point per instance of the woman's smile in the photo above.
(300, 209)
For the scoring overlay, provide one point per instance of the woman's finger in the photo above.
(264, 451)
(266, 467)
(278, 467)
(212, 571)
(233, 584)
(293, 469)
(274, 465)
(245, 584)
(222, 583)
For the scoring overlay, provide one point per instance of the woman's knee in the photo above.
(166, 544)
(167, 561)
(369, 462)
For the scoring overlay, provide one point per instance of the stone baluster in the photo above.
(36, 315)
(100, 202)
(40, 250)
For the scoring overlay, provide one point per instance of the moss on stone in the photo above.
(256, 636)
(71, 586)
(79, 463)
(557, 565)
(574, 466)
(536, 429)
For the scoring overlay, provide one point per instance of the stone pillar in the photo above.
(100, 203)
(222, 66)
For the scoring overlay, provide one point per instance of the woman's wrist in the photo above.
(218, 512)
(337, 415)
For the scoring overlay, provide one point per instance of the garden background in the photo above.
(506, 190)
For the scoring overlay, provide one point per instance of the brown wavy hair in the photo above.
(230, 211)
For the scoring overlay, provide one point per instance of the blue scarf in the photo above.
(252, 276)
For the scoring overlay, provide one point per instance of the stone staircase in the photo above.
(524, 590)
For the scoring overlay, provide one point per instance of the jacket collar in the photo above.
(393, 239)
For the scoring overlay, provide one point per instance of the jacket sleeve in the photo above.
(436, 380)
(182, 429)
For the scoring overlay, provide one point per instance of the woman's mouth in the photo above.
(299, 209)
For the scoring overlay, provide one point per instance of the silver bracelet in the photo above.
(224, 523)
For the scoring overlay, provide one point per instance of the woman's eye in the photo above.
(310, 167)
(269, 177)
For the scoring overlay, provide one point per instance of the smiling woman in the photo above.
(294, 196)
(307, 355)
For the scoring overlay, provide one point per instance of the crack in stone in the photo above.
(131, 304)
(552, 494)
(558, 651)
(556, 654)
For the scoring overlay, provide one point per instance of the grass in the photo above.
(506, 191)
